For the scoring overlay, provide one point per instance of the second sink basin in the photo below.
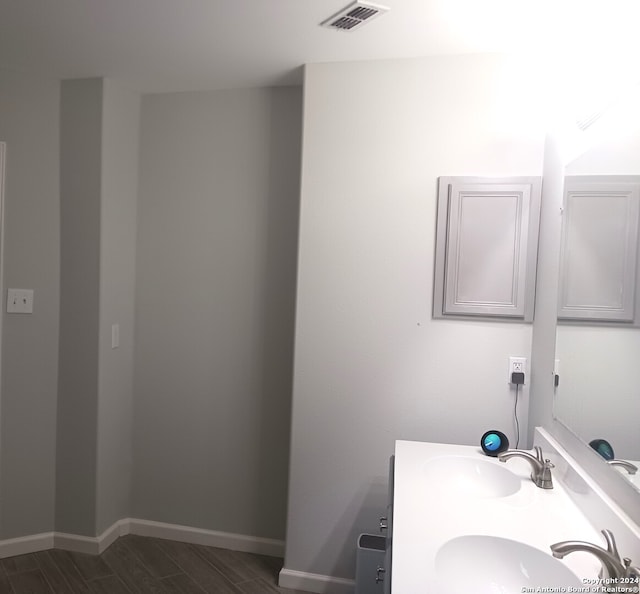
(472, 477)
(493, 565)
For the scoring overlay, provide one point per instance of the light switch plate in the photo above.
(20, 301)
(115, 336)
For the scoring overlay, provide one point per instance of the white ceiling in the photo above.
(175, 45)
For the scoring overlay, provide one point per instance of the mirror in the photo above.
(598, 393)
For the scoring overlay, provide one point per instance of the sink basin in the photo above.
(465, 476)
(492, 565)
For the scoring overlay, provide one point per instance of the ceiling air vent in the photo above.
(354, 16)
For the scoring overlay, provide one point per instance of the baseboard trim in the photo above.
(26, 544)
(210, 538)
(314, 582)
(113, 533)
(94, 545)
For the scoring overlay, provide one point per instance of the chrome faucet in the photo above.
(630, 468)
(613, 567)
(541, 468)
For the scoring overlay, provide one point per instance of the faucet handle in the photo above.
(630, 571)
(546, 463)
(611, 543)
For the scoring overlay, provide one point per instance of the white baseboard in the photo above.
(113, 533)
(76, 543)
(94, 545)
(314, 582)
(210, 538)
(26, 544)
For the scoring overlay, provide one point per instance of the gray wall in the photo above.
(119, 188)
(80, 171)
(218, 240)
(371, 366)
(29, 124)
(216, 253)
(99, 165)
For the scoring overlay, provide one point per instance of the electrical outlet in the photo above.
(517, 365)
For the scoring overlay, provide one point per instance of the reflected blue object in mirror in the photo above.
(603, 447)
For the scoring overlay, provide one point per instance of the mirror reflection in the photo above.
(598, 331)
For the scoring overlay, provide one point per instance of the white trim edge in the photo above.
(94, 545)
(210, 538)
(314, 582)
(26, 544)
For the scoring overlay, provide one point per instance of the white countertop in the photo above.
(425, 517)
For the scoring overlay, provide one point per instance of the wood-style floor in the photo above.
(136, 564)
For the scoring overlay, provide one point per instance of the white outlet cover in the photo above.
(517, 364)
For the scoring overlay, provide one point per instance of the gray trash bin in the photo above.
(369, 562)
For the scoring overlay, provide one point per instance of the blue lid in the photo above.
(492, 442)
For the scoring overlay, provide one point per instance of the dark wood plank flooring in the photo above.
(136, 564)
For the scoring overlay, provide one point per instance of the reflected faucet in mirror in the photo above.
(605, 449)
(628, 466)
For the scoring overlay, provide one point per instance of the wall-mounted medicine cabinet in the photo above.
(486, 247)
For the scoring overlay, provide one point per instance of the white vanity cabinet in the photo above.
(445, 495)
(374, 555)
(388, 521)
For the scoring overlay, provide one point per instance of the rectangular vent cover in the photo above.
(354, 16)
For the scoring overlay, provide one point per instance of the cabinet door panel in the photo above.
(485, 265)
(486, 247)
(598, 267)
